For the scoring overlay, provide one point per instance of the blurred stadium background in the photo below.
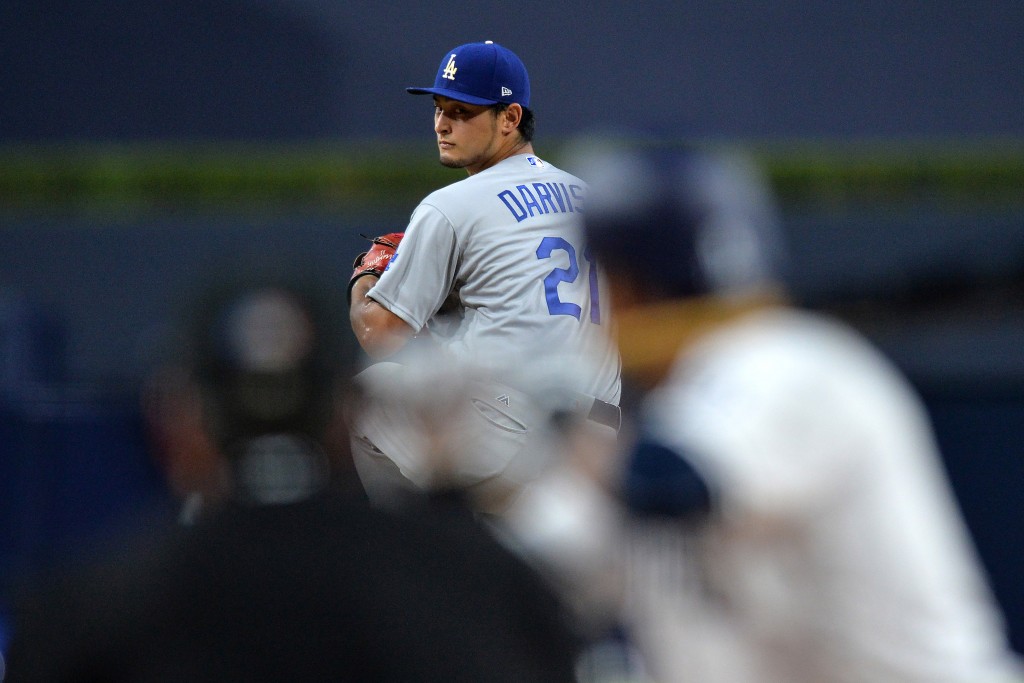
(146, 145)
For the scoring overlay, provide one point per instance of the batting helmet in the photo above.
(707, 219)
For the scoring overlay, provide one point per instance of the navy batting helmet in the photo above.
(680, 221)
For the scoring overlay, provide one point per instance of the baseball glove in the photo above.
(376, 259)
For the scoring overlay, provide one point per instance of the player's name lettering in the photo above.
(542, 198)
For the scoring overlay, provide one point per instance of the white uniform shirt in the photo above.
(836, 552)
(507, 242)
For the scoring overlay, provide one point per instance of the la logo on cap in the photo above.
(482, 74)
(449, 71)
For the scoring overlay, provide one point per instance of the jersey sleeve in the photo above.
(768, 450)
(422, 272)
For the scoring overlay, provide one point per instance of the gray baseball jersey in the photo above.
(504, 245)
(837, 552)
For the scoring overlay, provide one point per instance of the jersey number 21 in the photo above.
(555, 305)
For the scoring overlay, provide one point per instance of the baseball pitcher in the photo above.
(492, 269)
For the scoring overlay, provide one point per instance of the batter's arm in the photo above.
(380, 332)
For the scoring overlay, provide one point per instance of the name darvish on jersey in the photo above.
(543, 198)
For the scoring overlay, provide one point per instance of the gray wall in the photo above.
(296, 69)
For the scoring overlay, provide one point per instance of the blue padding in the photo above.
(660, 481)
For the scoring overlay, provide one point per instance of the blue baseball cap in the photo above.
(480, 73)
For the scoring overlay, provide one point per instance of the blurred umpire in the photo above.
(286, 574)
(792, 521)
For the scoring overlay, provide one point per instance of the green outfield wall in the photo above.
(331, 175)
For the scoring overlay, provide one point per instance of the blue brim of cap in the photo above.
(453, 94)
